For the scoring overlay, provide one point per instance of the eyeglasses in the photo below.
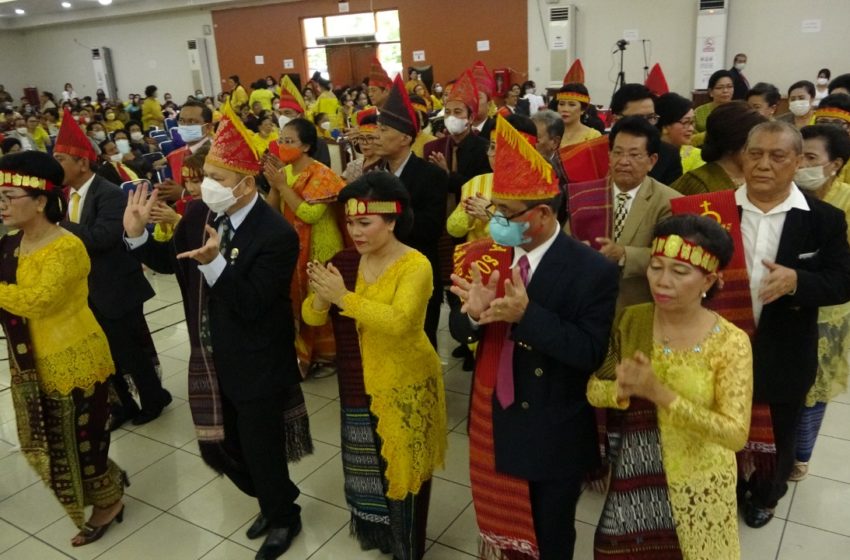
(6, 199)
(633, 156)
(686, 122)
(503, 220)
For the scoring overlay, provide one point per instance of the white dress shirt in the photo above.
(535, 255)
(632, 195)
(761, 232)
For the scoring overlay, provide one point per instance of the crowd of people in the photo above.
(652, 298)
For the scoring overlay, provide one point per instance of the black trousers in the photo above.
(432, 315)
(766, 493)
(128, 336)
(553, 506)
(255, 439)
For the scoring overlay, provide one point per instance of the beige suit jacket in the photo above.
(650, 206)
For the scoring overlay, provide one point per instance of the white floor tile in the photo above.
(180, 351)
(7, 409)
(760, 544)
(169, 337)
(463, 533)
(229, 550)
(219, 507)
(326, 484)
(584, 541)
(440, 552)
(322, 453)
(343, 546)
(589, 507)
(15, 474)
(9, 433)
(457, 460)
(174, 427)
(171, 479)
(134, 452)
(325, 424)
(457, 410)
(10, 536)
(166, 538)
(836, 422)
(457, 380)
(807, 543)
(32, 509)
(327, 387)
(315, 403)
(448, 500)
(830, 459)
(32, 548)
(174, 366)
(822, 503)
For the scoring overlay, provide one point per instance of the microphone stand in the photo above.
(621, 75)
(645, 61)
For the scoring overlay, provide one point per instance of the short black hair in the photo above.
(150, 90)
(836, 141)
(842, 81)
(382, 185)
(39, 164)
(522, 124)
(769, 91)
(836, 101)
(206, 112)
(805, 84)
(627, 94)
(727, 128)
(234, 77)
(637, 126)
(717, 76)
(8, 143)
(825, 73)
(307, 133)
(703, 231)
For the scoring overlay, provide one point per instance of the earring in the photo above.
(704, 295)
(40, 210)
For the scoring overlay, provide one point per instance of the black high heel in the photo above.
(125, 480)
(91, 534)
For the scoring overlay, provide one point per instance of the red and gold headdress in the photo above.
(290, 97)
(378, 77)
(833, 113)
(465, 91)
(359, 207)
(484, 79)
(520, 173)
(72, 140)
(675, 247)
(15, 179)
(575, 75)
(235, 147)
(397, 111)
(572, 96)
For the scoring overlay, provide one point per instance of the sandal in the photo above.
(90, 534)
(801, 470)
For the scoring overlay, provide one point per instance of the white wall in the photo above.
(146, 50)
(769, 31)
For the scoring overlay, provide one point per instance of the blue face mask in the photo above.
(508, 233)
(191, 132)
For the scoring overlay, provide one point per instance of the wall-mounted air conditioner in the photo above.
(104, 75)
(561, 36)
(199, 66)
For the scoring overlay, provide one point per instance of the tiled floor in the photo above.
(177, 509)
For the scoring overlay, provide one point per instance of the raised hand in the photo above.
(138, 211)
(207, 253)
(475, 294)
(327, 282)
(162, 213)
(511, 307)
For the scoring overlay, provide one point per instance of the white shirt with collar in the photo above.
(214, 268)
(82, 190)
(535, 255)
(401, 167)
(761, 232)
(632, 195)
(193, 148)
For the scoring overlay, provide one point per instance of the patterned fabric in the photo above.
(699, 434)
(808, 427)
(620, 214)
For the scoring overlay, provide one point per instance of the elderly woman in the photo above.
(676, 123)
(390, 378)
(826, 150)
(679, 378)
(363, 139)
(571, 102)
(59, 356)
(721, 88)
(303, 190)
(728, 127)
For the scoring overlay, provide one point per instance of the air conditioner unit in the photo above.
(562, 42)
(710, 49)
(104, 75)
(199, 66)
(346, 40)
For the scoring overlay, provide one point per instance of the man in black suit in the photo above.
(426, 183)
(235, 280)
(557, 310)
(117, 285)
(792, 273)
(739, 81)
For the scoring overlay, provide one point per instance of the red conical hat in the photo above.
(575, 74)
(484, 79)
(290, 97)
(378, 77)
(656, 82)
(235, 147)
(465, 91)
(520, 173)
(72, 140)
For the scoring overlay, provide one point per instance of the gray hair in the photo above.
(779, 127)
(551, 120)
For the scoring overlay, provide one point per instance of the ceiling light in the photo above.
(105, 2)
(66, 4)
(19, 11)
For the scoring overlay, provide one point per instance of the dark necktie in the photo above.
(225, 228)
(505, 369)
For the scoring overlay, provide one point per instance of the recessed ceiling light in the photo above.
(105, 2)
(66, 4)
(19, 11)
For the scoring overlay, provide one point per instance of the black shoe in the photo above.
(460, 352)
(278, 541)
(468, 363)
(756, 517)
(120, 416)
(146, 415)
(258, 528)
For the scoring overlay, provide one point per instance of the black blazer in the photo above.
(668, 168)
(471, 158)
(785, 344)
(549, 431)
(116, 281)
(250, 311)
(740, 83)
(427, 185)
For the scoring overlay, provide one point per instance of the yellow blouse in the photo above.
(401, 371)
(462, 225)
(52, 292)
(151, 114)
(587, 133)
(700, 432)
(691, 158)
(325, 236)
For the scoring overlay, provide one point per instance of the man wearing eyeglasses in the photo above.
(638, 203)
(636, 100)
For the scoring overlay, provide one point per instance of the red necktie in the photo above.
(505, 371)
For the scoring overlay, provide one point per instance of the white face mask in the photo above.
(191, 132)
(739, 66)
(455, 125)
(218, 197)
(137, 136)
(822, 81)
(283, 121)
(21, 130)
(117, 158)
(800, 107)
(810, 178)
(99, 135)
(123, 145)
(325, 125)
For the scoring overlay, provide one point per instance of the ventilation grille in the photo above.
(193, 45)
(705, 5)
(559, 14)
